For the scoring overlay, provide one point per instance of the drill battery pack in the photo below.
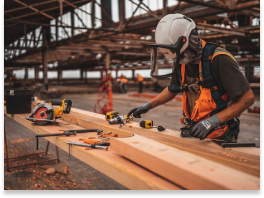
(146, 124)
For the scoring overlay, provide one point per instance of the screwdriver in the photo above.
(108, 135)
(89, 141)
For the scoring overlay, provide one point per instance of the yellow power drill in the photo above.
(110, 115)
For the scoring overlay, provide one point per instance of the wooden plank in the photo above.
(108, 162)
(241, 159)
(183, 168)
(92, 122)
(89, 120)
(236, 158)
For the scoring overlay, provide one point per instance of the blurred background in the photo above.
(91, 51)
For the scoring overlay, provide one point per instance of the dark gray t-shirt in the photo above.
(226, 73)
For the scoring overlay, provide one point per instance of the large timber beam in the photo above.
(108, 162)
(181, 167)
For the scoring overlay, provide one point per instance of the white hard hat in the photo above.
(170, 28)
(172, 44)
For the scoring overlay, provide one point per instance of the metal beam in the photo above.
(106, 11)
(74, 6)
(121, 11)
(41, 24)
(49, 9)
(42, 13)
(147, 10)
(44, 58)
(220, 29)
(80, 19)
(37, 4)
(241, 6)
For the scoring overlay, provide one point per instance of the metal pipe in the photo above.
(88, 145)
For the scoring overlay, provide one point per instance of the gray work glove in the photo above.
(203, 128)
(139, 110)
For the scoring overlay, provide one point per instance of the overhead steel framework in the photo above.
(95, 35)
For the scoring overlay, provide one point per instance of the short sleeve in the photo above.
(228, 76)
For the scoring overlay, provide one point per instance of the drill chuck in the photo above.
(117, 120)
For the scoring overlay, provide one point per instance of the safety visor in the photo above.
(165, 56)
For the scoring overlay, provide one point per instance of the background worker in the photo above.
(214, 91)
(120, 83)
(124, 84)
(140, 80)
(108, 77)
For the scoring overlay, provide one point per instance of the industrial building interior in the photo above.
(97, 35)
(65, 48)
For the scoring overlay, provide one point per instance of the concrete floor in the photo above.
(166, 115)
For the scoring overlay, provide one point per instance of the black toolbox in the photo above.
(18, 101)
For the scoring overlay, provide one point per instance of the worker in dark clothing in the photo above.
(214, 91)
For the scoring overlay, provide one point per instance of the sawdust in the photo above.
(235, 157)
(28, 180)
(20, 140)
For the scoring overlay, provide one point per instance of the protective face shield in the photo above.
(172, 40)
(163, 55)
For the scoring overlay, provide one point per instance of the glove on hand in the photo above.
(139, 110)
(203, 128)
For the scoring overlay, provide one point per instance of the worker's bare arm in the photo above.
(163, 97)
(237, 107)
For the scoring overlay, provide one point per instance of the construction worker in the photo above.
(108, 77)
(140, 80)
(214, 91)
(124, 84)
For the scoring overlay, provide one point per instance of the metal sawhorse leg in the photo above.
(46, 152)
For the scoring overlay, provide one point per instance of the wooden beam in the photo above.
(182, 168)
(108, 162)
(207, 149)
(95, 120)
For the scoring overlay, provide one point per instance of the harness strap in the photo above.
(208, 80)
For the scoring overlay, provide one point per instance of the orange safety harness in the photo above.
(123, 80)
(210, 101)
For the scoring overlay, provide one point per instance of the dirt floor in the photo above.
(80, 176)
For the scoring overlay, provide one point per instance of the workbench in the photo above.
(143, 159)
